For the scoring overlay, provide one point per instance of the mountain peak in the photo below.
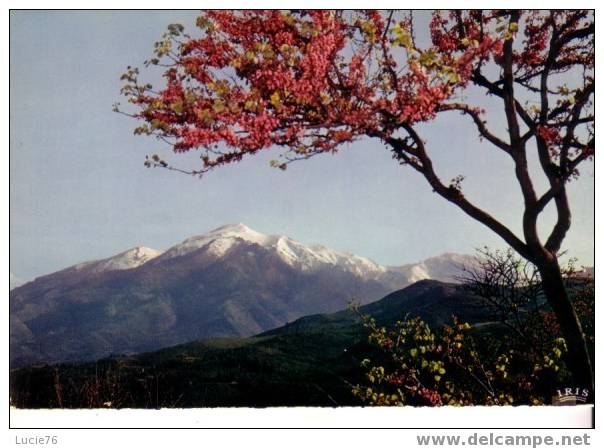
(219, 240)
(307, 258)
(129, 259)
(233, 282)
(236, 231)
(447, 267)
(238, 227)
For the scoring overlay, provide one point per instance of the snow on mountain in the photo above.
(132, 258)
(312, 258)
(219, 240)
(232, 281)
(447, 267)
(307, 258)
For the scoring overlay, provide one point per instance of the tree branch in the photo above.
(480, 80)
(508, 87)
(480, 124)
(452, 194)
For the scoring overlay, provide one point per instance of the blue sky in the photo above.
(79, 190)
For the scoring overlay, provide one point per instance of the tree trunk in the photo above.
(579, 362)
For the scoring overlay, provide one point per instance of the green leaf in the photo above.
(218, 106)
(402, 37)
(428, 58)
(175, 29)
(276, 99)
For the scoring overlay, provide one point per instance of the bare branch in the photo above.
(480, 124)
(508, 87)
(479, 79)
(454, 195)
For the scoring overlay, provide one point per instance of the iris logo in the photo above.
(570, 396)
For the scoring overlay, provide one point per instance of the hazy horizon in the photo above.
(79, 190)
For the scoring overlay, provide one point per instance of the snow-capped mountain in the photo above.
(307, 258)
(232, 281)
(130, 259)
(447, 267)
(311, 258)
(219, 242)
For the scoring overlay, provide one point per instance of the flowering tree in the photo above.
(312, 81)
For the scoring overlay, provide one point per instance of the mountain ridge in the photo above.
(220, 240)
(232, 281)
